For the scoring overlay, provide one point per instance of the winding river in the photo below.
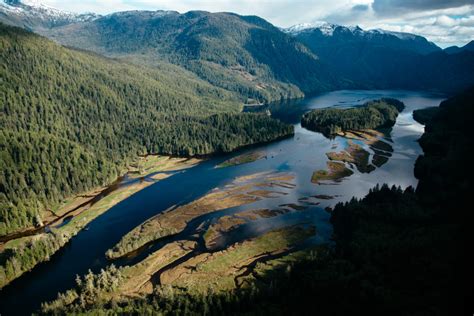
(299, 155)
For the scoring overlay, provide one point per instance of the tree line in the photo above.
(397, 251)
(71, 121)
(370, 115)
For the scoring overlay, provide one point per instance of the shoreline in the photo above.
(57, 237)
(30, 236)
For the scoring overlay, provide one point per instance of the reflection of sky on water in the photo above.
(300, 155)
(306, 152)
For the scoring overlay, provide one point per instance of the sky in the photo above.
(445, 22)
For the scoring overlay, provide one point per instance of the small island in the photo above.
(371, 115)
(337, 171)
(242, 159)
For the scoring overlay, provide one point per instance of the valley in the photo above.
(206, 162)
(222, 192)
(33, 246)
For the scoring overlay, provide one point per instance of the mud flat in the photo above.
(216, 233)
(138, 278)
(77, 212)
(151, 166)
(231, 268)
(376, 140)
(336, 172)
(181, 267)
(241, 191)
(242, 159)
(353, 154)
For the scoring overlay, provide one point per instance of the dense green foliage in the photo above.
(397, 251)
(447, 144)
(371, 115)
(89, 288)
(71, 121)
(16, 261)
(243, 54)
(423, 116)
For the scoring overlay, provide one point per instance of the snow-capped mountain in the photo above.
(325, 28)
(322, 34)
(328, 29)
(32, 14)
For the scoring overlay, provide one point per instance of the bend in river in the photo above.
(300, 155)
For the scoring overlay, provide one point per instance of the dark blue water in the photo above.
(299, 155)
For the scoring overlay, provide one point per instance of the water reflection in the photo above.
(299, 155)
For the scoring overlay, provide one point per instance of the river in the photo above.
(300, 155)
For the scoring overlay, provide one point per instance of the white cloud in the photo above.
(436, 20)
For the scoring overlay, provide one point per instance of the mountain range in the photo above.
(32, 15)
(455, 49)
(381, 59)
(85, 97)
(325, 35)
(250, 57)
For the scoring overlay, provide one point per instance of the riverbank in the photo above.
(23, 253)
(243, 190)
(299, 155)
(177, 267)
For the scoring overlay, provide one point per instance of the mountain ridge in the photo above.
(324, 31)
(259, 62)
(243, 54)
(33, 15)
(73, 120)
(456, 49)
(384, 60)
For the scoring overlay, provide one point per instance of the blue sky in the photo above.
(445, 22)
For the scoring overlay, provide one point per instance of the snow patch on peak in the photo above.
(328, 29)
(5, 6)
(34, 9)
(157, 13)
(325, 27)
(354, 29)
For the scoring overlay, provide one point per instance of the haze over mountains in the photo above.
(253, 59)
(381, 59)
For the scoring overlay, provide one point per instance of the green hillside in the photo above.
(243, 54)
(395, 252)
(72, 120)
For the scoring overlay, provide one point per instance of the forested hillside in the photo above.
(377, 59)
(254, 59)
(396, 251)
(72, 120)
(243, 54)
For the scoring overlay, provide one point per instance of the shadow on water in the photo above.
(87, 249)
(300, 155)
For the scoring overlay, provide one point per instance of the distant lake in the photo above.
(300, 155)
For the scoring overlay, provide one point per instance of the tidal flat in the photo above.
(295, 157)
(243, 190)
(34, 246)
